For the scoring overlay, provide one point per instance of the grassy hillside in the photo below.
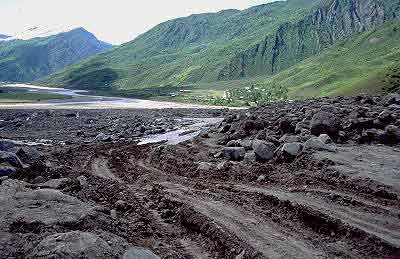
(313, 47)
(182, 51)
(369, 62)
(27, 60)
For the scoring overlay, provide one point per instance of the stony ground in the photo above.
(315, 179)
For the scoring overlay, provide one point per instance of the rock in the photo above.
(56, 183)
(392, 99)
(250, 157)
(204, 166)
(6, 144)
(325, 123)
(302, 125)
(292, 149)
(77, 244)
(82, 180)
(6, 170)
(113, 214)
(273, 140)
(325, 138)
(104, 137)
(141, 129)
(385, 116)
(234, 153)
(391, 135)
(28, 155)
(223, 166)
(247, 144)
(263, 150)
(234, 143)
(121, 205)
(225, 128)
(261, 178)
(11, 159)
(42, 206)
(289, 139)
(139, 253)
(285, 125)
(316, 144)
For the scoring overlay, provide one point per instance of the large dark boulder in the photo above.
(325, 123)
(264, 150)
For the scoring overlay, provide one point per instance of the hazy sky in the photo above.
(114, 21)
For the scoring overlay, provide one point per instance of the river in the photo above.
(81, 100)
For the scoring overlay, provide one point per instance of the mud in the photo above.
(187, 201)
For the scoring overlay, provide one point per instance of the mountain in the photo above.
(32, 58)
(218, 51)
(3, 37)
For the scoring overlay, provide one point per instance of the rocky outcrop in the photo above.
(293, 42)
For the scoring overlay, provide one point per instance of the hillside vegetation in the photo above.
(27, 60)
(315, 47)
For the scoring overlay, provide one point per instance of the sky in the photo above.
(114, 21)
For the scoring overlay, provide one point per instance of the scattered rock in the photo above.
(6, 144)
(139, 253)
(104, 137)
(250, 157)
(6, 170)
(316, 144)
(263, 150)
(292, 149)
(204, 166)
(11, 159)
(77, 244)
(325, 123)
(234, 153)
(325, 138)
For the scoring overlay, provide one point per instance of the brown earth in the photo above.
(186, 201)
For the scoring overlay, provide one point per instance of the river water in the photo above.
(79, 100)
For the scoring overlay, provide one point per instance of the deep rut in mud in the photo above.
(181, 213)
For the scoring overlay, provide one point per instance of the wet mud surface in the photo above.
(193, 200)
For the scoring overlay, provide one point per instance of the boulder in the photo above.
(6, 144)
(292, 149)
(263, 150)
(204, 166)
(139, 253)
(325, 138)
(247, 144)
(104, 137)
(234, 153)
(391, 135)
(250, 157)
(289, 138)
(325, 123)
(392, 99)
(11, 159)
(317, 145)
(285, 125)
(77, 244)
(225, 128)
(6, 170)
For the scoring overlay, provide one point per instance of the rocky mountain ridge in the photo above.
(27, 60)
(294, 42)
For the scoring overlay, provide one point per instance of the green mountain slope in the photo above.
(27, 60)
(281, 42)
(369, 62)
(184, 50)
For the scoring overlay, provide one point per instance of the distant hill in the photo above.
(2, 36)
(27, 60)
(218, 51)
